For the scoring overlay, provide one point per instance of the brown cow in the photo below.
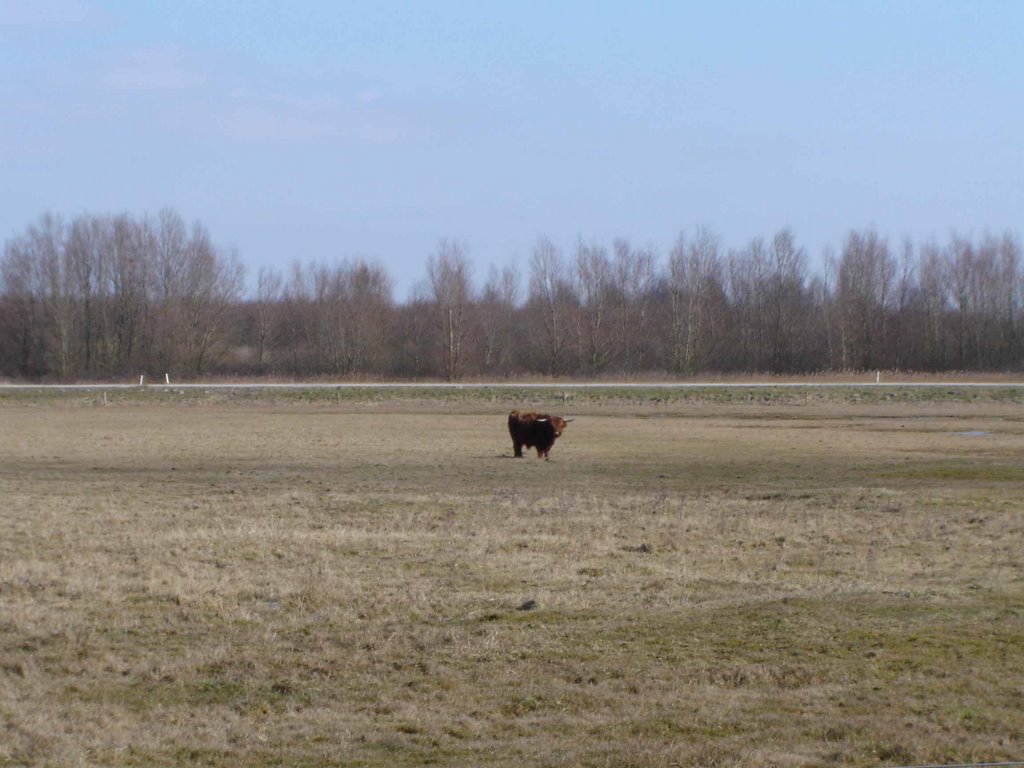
(534, 430)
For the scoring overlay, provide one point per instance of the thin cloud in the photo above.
(369, 97)
(255, 122)
(153, 69)
(249, 116)
(42, 14)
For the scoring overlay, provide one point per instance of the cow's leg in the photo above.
(517, 449)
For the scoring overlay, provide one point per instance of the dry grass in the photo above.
(257, 584)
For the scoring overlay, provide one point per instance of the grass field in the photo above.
(368, 579)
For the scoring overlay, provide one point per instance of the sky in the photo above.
(323, 131)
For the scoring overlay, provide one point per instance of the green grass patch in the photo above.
(563, 397)
(964, 471)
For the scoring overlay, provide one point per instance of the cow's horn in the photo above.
(541, 419)
(568, 420)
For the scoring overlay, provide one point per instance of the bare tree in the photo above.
(960, 261)
(415, 321)
(268, 296)
(549, 296)
(747, 275)
(48, 243)
(1011, 282)
(821, 331)
(171, 243)
(25, 317)
(904, 303)
(84, 254)
(934, 295)
(211, 284)
(595, 287)
(784, 292)
(633, 272)
(497, 309)
(865, 274)
(448, 272)
(299, 320)
(986, 293)
(366, 317)
(112, 295)
(695, 283)
(127, 319)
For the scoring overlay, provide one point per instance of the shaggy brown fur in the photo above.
(534, 430)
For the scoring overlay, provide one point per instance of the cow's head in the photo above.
(559, 424)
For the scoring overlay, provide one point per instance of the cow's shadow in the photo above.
(524, 457)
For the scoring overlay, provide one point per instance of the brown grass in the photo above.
(316, 585)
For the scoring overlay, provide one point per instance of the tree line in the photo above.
(112, 296)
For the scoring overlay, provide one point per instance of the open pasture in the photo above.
(377, 582)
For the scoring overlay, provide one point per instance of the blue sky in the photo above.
(326, 130)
